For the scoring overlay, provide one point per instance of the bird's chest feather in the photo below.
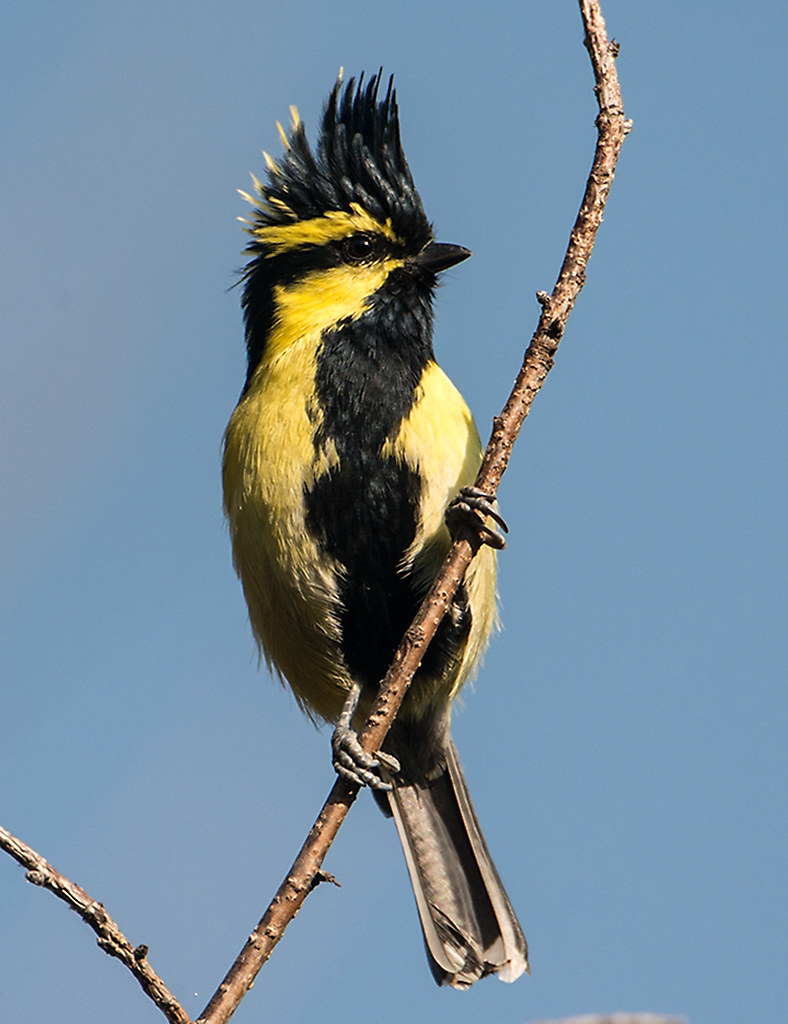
(338, 469)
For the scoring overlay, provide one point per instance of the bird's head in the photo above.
(340, 230)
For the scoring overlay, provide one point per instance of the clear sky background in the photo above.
(626, 741)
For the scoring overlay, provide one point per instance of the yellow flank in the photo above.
(439, 441)
(332, 226)
(289, 584)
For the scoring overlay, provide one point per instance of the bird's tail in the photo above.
(470, 928)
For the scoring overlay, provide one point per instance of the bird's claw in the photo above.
(355, 765)
(469, 509)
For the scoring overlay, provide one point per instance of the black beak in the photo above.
(437, 256)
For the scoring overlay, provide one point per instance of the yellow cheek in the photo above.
(323, 298)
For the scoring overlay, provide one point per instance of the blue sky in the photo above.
(625, 743)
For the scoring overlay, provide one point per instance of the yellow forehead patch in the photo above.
(332, 226)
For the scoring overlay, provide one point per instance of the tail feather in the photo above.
(470, 929)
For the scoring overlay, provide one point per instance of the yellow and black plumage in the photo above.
(347, 445)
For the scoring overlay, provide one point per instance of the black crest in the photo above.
(358, 159)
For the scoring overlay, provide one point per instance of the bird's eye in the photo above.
(361, 247)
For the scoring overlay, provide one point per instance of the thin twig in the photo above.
(305, 872)
(110, 938)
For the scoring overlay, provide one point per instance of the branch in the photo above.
(110, 938)
(305, 873)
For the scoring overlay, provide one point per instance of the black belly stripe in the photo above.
(364, 510)
(367, 523)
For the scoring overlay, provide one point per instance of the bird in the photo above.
(347, 463)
